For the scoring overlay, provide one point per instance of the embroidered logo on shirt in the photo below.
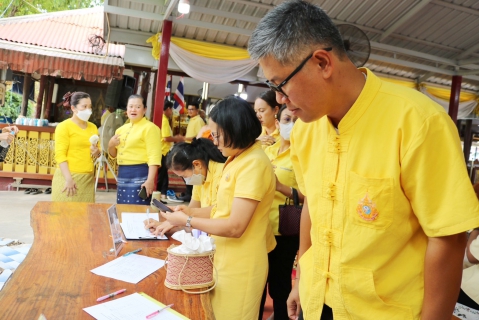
(367, 209)
(227, 177)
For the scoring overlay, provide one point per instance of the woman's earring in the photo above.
(276, 116)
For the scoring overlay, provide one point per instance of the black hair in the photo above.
(280, 112)
(237, 122)
(138, 96)
(77, 96)
(182, 155)
(167, 105)
(270, 98)
(194, 104)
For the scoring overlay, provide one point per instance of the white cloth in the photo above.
(464, 109)
(210, 70)
(190, 244)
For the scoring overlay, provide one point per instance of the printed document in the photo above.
(135, 306)
(134, 227)
(132, 268)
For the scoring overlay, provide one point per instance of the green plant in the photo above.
(13, 106)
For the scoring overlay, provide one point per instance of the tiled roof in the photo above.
(66, 30)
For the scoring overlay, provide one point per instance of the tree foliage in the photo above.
(13, 105)
(26, 7)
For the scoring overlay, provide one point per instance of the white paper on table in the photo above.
(134, 227)
(132, 268)
(132, 307)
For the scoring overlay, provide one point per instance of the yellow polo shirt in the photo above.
(72, 144)
(393, 176)
(194, 126)
(242, 263)
(206, 193)
(140, 142)
(283, 168)
(165, 133)
(275, 134)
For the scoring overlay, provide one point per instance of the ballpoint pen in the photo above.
(131, 252)
(158, 311)
(148, 215)
(110, 295)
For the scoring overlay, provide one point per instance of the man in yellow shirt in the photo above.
(167, 139)
(194, 126)
(388, 198)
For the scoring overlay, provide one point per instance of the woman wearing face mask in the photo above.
(239, 221)
(74, 154)
(200, 163)
(137, 149)
(266, 108)
(281, 259)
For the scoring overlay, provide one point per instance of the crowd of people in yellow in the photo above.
(378, 168)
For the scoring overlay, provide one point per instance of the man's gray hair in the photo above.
(293, 29)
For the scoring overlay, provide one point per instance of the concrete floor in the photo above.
(15, 207)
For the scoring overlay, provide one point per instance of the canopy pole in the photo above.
(454, 99)
(162, 72)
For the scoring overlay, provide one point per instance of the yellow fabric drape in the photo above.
(204, 49)
(445, 94)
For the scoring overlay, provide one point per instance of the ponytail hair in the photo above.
(182, 155)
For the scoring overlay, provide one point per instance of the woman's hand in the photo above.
(185, 209)
(149, 186)
(6, 136)
(293, 304)
(70, 188)
(94, 151)
(114, 141)
(157, 228)
(176, 218)
(266, 140)
(10, 129)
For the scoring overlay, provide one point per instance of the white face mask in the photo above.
(195, 179)
(285, 130)
(84, 114)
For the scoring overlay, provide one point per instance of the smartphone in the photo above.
(157, 203)
(142, 194)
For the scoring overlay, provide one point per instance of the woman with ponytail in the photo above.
(200, 163)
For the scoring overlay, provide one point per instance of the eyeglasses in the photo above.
(277, 88)
(191, 109)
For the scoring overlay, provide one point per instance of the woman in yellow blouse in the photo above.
(74, 154)
(239, 222)
(266, 108)
(137, 148)
(200, 164)
(281, 259)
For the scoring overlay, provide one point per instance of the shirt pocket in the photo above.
(371, 201)
(362, 301)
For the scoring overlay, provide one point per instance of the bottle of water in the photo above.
(4, 143)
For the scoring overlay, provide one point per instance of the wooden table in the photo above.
(55, 278)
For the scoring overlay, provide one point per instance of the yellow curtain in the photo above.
(445, 94)
(200, 48)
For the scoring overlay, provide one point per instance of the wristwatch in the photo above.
(188, 222)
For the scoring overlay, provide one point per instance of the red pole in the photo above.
(454, 99)
(162, 72)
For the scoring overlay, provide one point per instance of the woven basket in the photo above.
(190, 271)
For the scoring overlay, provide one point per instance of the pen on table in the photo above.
(110, 295)
(148, 215)
(158, 311)
(131, 252)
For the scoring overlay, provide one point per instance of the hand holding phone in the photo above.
(157, 203)
(142, 194)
